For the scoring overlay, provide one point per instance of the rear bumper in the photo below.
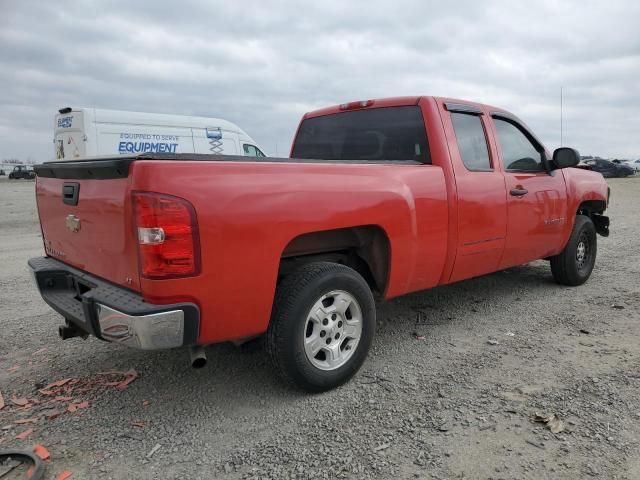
(113, 313)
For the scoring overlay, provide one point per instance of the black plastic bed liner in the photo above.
(104, 168)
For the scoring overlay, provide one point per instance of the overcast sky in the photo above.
(263, 64)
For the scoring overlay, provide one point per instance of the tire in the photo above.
(573, 266)
(341, 329)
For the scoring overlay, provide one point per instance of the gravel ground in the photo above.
(449, 390)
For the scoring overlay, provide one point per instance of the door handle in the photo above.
(519, 192)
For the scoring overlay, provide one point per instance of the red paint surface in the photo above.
(444, 223)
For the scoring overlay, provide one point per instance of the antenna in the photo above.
(561, 126)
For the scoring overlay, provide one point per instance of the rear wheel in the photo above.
(322, 326)
(573, 266)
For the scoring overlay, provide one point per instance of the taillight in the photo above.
(167, 234)
(356, 105)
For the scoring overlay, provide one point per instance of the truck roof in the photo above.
(103, 115)
(393, 102)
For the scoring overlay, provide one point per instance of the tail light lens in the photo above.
(356, 105)
(167, 232)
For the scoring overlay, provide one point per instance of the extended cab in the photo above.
(389, 196)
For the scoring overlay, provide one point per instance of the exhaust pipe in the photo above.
(197, 356)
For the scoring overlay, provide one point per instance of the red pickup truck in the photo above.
(388, 196)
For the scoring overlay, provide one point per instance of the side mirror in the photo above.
(564, 157)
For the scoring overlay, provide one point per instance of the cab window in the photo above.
(252, 150)
(374, 134)
(518, 152)
(472, 142)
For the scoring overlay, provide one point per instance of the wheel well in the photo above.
(594, 210)
(363, 248)
(591, 207)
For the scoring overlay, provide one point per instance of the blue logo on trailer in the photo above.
(136, 147)
(65, 122)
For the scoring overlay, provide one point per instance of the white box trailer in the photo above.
(85, 132)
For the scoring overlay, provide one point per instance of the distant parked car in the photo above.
(635, 164)
(609, 169)
(22, 171)
(2, 172)
(624, 162)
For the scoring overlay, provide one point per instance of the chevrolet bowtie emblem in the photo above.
(73, 223)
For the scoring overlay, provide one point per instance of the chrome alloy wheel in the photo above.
(582, 251)
(333, 330)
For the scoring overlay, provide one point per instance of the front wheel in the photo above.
(322, 326)
(573, 266)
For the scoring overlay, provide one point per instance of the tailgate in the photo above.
(86, 218)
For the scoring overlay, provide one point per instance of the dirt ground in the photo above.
(449, 390)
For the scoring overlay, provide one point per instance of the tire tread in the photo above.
(563, 264)
(287, 294)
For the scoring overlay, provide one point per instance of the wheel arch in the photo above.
(590, 207)
(365, 248)
(594, 209)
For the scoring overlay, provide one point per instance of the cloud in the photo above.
(263, 64)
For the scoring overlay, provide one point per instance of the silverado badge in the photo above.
(73, 223)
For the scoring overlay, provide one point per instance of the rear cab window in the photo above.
(375, 134)
(472, 141)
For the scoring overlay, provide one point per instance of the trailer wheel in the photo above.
(573, 266)
(322, 326)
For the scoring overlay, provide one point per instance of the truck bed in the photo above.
(249, 212)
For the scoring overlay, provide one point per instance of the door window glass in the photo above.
(472, 142)
(518, 153)
(252, 150)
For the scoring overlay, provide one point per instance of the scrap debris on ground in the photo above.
(552, 422)
(35, 461)
(61, 397)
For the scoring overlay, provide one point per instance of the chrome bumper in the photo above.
(113, 313)
(147, 332)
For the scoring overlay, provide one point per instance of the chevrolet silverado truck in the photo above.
(386, 196)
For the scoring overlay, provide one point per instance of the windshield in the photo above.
(389, 134)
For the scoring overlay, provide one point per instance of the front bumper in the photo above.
(113, 313)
